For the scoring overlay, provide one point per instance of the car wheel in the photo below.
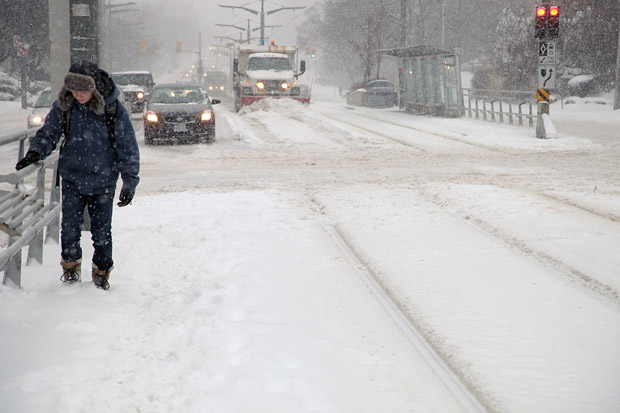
(148, 140)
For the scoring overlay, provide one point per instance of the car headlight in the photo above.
(206, 116)
(152, 117)
(221, 87)
(260, 85)
(285, 85)
(36, 120)
(140, 95)
(210, 87)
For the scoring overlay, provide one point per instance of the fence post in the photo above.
(35, 247)
(501, 112)
(13, 272)
(521, 113)
(53, 229)
(493, 110)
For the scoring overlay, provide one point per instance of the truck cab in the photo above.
(266, 72)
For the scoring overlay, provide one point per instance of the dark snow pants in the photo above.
(100, 211)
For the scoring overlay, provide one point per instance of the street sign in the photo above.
(22, 49)
(542, 95)
(16, 40)
(546, 76)
(546, 53)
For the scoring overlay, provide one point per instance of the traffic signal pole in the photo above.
(547, 24)
(617, 82)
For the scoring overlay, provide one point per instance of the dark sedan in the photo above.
(179, 113)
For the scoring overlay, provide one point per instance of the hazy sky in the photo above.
(183, 19)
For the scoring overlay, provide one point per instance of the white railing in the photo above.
(503, 106)
(24, 214)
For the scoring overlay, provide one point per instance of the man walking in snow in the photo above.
(99, 143)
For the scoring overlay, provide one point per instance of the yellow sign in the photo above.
(542, 95)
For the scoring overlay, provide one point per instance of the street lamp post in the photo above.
(237, 27)
(262, 14)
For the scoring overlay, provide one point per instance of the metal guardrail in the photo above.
(24, 215)
(503, 106)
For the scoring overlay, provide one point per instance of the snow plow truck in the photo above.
(266, 71)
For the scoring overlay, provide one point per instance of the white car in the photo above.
(42, 106)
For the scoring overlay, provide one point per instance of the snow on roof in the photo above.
(132, 72)
(280, 55)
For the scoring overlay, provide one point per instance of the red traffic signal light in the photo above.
(541, 22)
(547, 21)
(554, 11)
(553, 22)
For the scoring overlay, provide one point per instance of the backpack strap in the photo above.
(111, 111)
(66, 124)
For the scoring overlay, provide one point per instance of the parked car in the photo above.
(136, 86)
(179, 113)
(380, 93)
(42, 106)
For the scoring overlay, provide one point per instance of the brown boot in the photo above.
(101, 277)
(71, 272)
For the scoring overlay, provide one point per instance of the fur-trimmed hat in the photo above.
(82, 77)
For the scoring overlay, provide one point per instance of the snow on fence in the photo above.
(24, 215)
(503, 106)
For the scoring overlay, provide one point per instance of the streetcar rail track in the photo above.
(556, 265)
(452, 381)
(402, 142)
(605, 215)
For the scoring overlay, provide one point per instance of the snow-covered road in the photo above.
(231, 295)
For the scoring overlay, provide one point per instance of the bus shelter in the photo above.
(430, 80)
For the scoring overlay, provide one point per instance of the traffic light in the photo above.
(313, 54)
(541, 22)
(179, 47)
(143, 46)
(547, 21)
(553, 21)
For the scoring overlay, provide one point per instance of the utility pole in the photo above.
(403, 23)
(262, 14)
(443, 22)
(110, 9)
(22, 59)
(403, 44)
(200, 67)
(617, 82)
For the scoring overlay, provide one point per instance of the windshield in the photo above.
(44, 100)
(277, 64)
(379, 83)
(177, 95)
(132, 79)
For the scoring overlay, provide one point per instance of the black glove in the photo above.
(125, 197)
(30, 158)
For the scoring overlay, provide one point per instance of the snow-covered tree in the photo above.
(347, 36)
